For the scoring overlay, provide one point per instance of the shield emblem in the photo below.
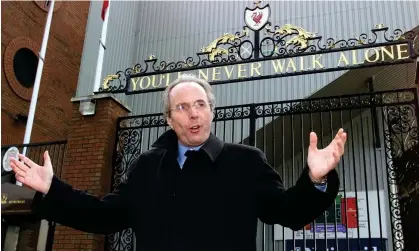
(256, 18)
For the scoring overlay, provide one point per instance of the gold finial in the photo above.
(257, 3)
(379, 26)
(151, 57)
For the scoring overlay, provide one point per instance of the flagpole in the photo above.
(12, 235)
(34, 99)
(102, 48)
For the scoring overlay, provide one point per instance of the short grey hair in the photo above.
(182, 79)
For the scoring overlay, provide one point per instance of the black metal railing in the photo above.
(371, 209)
(35, 151)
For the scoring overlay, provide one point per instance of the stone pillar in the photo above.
(88, 162)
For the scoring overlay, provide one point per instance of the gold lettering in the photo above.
(354, 61)
(229, 73)
(278, 65)
(148, 82)
(253, 68)
(215, 73)
(389, 54)
(291, 64)
(377, 55)
(168, 79)
(240, 70)
(399, 51)
(3, 198)
(134, 83)
(203, 74)
(153, 82)
(16, 202)
(301, 63)
(316, 61)
(343, 59)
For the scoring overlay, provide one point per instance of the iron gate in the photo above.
(378, 172)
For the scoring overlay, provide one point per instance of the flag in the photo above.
(104, 9)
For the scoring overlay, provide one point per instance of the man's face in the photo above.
(192, 124)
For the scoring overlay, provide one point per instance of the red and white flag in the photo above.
(102, 42)
(104, 9)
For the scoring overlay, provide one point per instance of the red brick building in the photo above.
(23, 24)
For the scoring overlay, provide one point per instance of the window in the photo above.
(25, 64)
(44, 5)
(20, 63)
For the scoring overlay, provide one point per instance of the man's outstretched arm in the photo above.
(304, 202)
(58, 201)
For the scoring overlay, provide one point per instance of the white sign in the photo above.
(11, 152)
(356, 222)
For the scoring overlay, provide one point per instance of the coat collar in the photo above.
(169, 141)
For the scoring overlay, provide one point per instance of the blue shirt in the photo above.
(181, 160)
(181, 153)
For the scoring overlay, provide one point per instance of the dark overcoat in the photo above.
(211, 204)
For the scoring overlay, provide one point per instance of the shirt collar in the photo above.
(169, 141)
(182, 150)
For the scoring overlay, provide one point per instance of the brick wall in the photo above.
(88, 165)
(25, 21)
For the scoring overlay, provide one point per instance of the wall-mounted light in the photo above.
(87, 107)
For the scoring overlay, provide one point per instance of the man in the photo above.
(192, 191)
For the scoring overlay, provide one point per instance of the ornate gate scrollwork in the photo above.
(402, 153)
